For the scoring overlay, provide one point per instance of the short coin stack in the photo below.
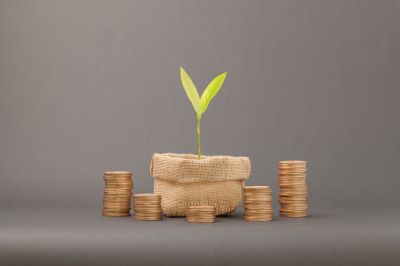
(200, 214)
(147, 207)
(117, 193)
(293, 188)
(257, 203)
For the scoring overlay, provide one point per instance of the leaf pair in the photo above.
(200, 104)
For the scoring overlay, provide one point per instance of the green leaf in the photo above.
(191, 91)
(211, 90)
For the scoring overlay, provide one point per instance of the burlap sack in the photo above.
(183, 181)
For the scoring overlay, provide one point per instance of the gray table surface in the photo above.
(83, 237)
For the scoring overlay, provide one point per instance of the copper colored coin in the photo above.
(115, 214)
(117, 191)
(148, 218)
(190, 220)
(257, 219)
(257, 208)
(294, 215)
(117, 179)
(115, 199)
(117, 173)
(293, 186)
(257, 188)
(263, 199)
(293, 162)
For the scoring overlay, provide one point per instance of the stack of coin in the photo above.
(200, 214)
(257, 203)
(147, 207)
(293, 188)
(117, 193)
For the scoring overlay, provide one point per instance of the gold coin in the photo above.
(265, 199)
(293, 196)
(257, 219)
(116, 202)
(116, 210)
(291, 179)
(294, 193)
(292, 183)
(208, 217)
(108, 181)
(288, 201)
(116, 190)
(147, 211)
(293, 186)
(256, 204)
(259, 207)
(147, 214)
(258, 213)
(295, 190)
(200, 220)
(291, 167)
(117, 196)
(117, 173)
(143, 200)
(122, 187)
(293, 210)
(117, 178)
(140, 218)
(293, 162)
(293, 206)
(119, 203)
(200, 214)
(116, 214)
(294, 215)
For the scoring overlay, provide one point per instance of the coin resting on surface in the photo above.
(257, 202)
(200, 214)
(147, 207)
(293, 188)
(117, 193)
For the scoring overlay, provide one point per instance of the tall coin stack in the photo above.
(147, 207)
(257, 203)
(293, 188)
(200, 214)
(117, 193)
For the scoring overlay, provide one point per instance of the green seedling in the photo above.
(200, 104)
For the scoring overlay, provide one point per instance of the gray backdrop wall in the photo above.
(88, 86)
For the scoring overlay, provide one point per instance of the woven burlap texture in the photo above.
(184, 181)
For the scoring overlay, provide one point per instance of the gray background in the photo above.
(88, 86)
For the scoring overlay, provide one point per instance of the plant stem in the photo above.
(198, 137)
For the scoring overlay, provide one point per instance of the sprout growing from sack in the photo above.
(200, 104)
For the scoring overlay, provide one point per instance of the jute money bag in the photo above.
(184, 181)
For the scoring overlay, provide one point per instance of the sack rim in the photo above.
(193, 157)
(186, 168)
